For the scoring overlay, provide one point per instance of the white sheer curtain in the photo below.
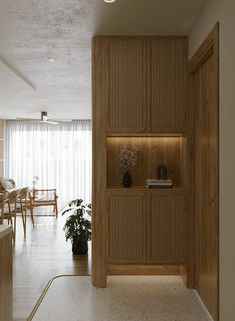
(59, 155)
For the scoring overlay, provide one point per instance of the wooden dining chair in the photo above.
(44, 197)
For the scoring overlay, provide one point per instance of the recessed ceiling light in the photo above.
(109, 1)
(51, 60)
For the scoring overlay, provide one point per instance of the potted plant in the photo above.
(78, 226)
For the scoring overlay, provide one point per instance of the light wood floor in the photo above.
(43, 255)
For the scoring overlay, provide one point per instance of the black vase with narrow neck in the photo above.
(127, 180)
(161, 172)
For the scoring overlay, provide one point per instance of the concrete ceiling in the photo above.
(33, 31)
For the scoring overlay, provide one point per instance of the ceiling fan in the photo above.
(45, 120)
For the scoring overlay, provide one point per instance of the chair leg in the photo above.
(31, 212)
(11, 221)
(14, 229)
(23, 218)
(2, 216)
(56, 208)
(10, 218)
(13, 225)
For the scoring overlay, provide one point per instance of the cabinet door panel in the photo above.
(166, 225)
(168, 58)
(125, 227)
(127, 103)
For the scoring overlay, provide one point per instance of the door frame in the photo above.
(209, 47)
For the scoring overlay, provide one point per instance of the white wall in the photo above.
(224, 12)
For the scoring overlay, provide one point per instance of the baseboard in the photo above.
(117, 269)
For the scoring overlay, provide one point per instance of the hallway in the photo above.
(45, 254)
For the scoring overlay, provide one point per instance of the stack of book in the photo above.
(158, 183)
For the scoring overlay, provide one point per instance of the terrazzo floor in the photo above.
(150, 298)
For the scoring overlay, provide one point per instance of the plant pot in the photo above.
(126, 180)
(80, 248)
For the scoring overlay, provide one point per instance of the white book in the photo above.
(158, 181)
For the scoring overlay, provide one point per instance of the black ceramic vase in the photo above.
(80, 248)
(126, 180)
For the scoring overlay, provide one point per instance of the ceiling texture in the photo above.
(45, 48)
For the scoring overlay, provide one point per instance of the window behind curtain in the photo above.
(59, 155)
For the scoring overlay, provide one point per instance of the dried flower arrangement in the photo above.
(128, 158)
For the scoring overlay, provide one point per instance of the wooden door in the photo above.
(125, 227)
(127, 81)
(166, 227)
(204, 69)
(167, 77)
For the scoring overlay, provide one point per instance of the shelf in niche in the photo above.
(142, 188)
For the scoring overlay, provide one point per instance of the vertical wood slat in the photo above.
(100, 77)
(166, 227)
(127, 101)
(125, 226)
(167, 80)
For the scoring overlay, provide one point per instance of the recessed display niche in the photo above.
(152, 152)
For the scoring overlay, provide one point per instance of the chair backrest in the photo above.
(24, 192)
(12, 196)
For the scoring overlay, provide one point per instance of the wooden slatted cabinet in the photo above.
(125, 227)
(166, 227)
(139, 94)
(145, 227)
(167, 82)
(127, 83)
(147, 84)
